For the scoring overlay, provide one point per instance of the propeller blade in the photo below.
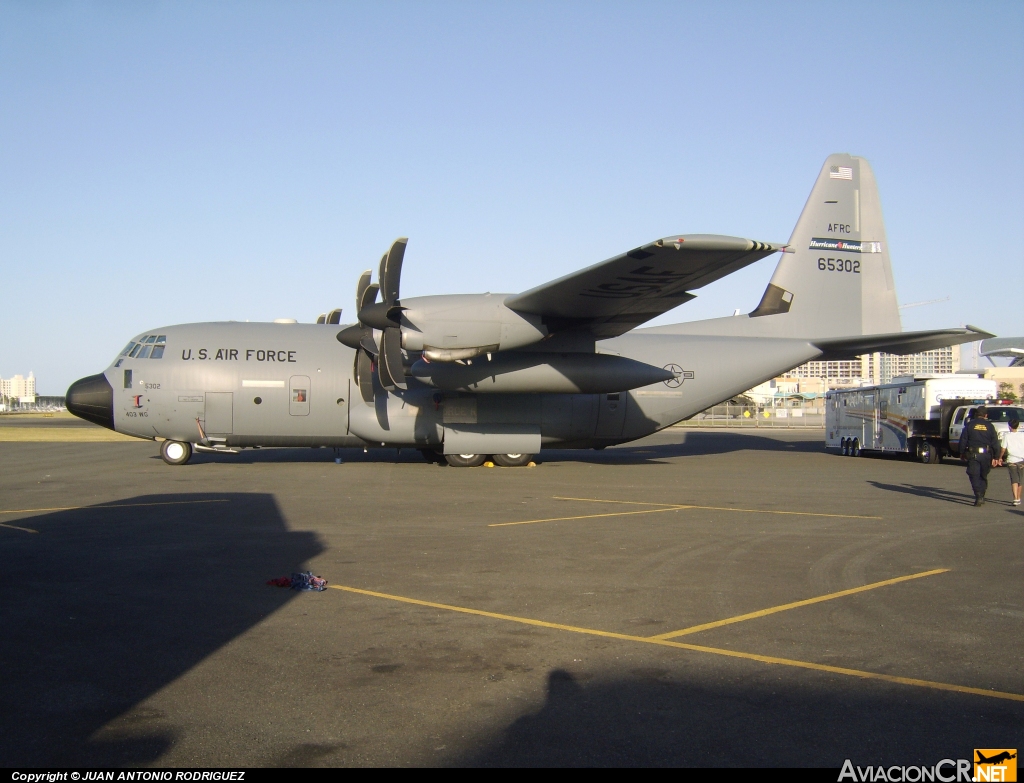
(367, 344)
(364, 375)
(391, 271)
(390, 368)
(369, 296)
(361, 286)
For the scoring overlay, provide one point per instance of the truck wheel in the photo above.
(513, 460)
(844, 448)
(928, 454)
(175, 452)
(855, 448)
(465, 460)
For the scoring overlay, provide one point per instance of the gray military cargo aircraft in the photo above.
(468, 377)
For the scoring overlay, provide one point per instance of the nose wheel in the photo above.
(175, 452)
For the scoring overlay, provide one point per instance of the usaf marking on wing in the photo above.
(465, 377)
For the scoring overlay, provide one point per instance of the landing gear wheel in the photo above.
(855, 448)
(844, 447)
(175, 452)
(928, 454)
(433, 457)
(513, 460)
(465, 460)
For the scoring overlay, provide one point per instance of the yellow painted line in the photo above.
(15, 527)
(117, 505)
(589, 516)
(492, 615)
(623, 502)
(726, 508)
(795, 605)
(788, 513)
(942, 686)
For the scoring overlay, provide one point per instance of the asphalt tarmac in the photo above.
(670, 602)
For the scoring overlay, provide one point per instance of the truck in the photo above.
(921, 415)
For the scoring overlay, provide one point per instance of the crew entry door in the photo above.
(298, 395)
(219, 419)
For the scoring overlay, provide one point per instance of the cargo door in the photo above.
(611, 416)
(298, 395)
(219, 414)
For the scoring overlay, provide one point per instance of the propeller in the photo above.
(384, 316)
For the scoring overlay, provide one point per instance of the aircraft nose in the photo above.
(92, 399)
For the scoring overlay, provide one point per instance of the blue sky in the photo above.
(172, 162)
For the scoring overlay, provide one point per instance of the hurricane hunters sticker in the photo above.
(845, 245)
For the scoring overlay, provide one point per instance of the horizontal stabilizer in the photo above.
(835, 348)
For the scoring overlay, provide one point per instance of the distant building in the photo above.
(815, 378)
(874, 368)
(19, 389)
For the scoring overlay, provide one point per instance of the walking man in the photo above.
(979, 445)
(1013, 455)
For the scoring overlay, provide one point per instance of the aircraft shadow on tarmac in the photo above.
(648, 719)
(689, 444)
(103, 607)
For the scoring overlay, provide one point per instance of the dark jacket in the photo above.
(979, 440)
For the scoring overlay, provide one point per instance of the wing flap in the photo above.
(617, 295)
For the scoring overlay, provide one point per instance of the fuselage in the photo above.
(266, 384)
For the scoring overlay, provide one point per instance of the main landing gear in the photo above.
(476, 460)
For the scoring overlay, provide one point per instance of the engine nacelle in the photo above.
(457, 328)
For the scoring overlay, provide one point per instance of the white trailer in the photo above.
(917, 415)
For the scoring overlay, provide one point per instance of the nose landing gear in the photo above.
(175, 452)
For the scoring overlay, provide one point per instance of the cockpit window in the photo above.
(150, 346)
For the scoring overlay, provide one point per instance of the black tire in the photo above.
(433, 457)
(174, 452)
(513, 460)
(928, 454)
(844, 447)
(465, 460)
(855, 448)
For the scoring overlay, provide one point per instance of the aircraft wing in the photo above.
(835, 348)
(614, 296)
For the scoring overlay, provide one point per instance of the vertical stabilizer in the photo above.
(835, 278)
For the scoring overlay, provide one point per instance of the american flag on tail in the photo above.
(840, 172)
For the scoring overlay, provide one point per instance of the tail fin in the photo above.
(835, 277)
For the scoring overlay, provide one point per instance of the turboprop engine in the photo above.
(461, 327)
(442, 328)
